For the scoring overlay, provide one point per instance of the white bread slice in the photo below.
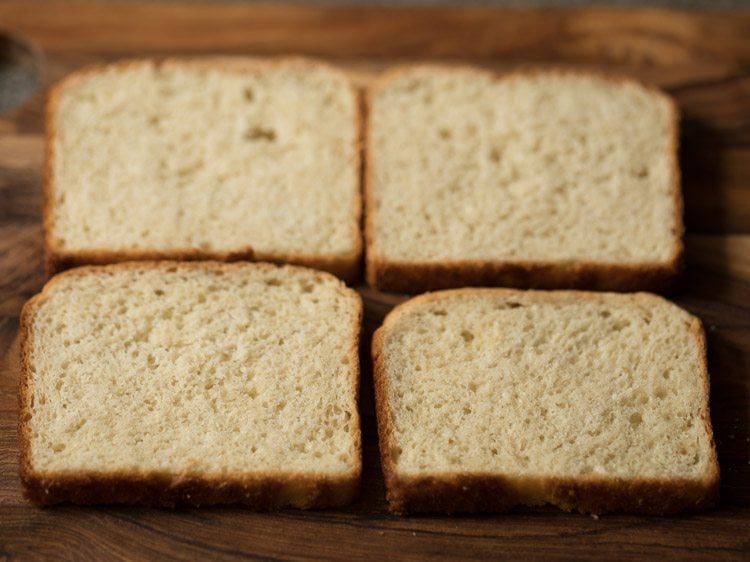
(536, 179)
(596, 402)
(204, 159)
(168, 383)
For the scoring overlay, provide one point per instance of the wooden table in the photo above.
(702, 58)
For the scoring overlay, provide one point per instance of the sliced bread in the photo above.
(595, 402)
(541, 179)
(220, 159)
(167, 383)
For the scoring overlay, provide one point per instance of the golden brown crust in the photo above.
(476, 493)
(346, 266)
(258, 490)
(410, 276)
(485, 492)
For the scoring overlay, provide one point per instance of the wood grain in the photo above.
(702, 58)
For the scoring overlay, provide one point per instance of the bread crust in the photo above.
(261, 490)
(414, 276)
(346, 266)
(495, 492)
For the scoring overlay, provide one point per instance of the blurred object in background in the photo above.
(20, 70)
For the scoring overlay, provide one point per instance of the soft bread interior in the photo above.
(546, 384)
(214, 156)
(199, 370)
(539, 167)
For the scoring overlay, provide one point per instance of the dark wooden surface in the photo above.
(701, 58)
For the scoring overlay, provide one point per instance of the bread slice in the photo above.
(221, 159)
(541, 179)
(167, 383)
(595, 402)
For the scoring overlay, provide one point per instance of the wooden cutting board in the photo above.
(702, 58)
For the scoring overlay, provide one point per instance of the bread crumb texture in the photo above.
(544, 166)
(217, 370)
(541, 384)
(216, 157)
